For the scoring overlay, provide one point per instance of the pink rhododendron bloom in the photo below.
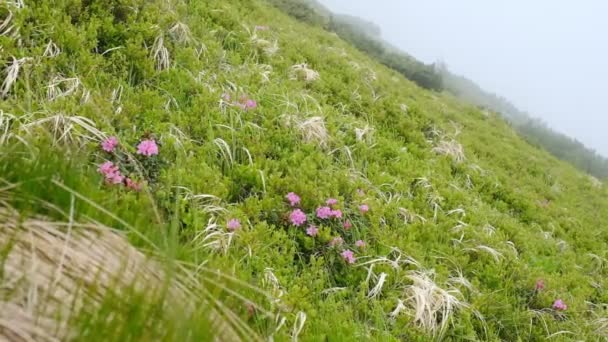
(293, 199)
(115, 177)
(109, 144)
(233, 224)
(111, 173)
(349, 256)
(336, 213)
(107, 167)
(312, 231)
(540, 285)
(297, 217)
(360, 244)
(337, 241)
(363, 208)
(147, 148)
(347, 225)
(331, 201)
(559, 305)
(133, 185)
(324, 212)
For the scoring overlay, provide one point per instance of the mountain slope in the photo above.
(444, 221)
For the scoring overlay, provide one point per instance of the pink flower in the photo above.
(109, 144)
(336, 213)
(111, 172)
(133, 185)
(331, 201)
(360, 243)
(107, 167)
(293, 199)
(115, 177)
(226, 96)
(363, 208)
(250, 104)
(233, 224)
(347, 225)
(297, 217)
(324, 212)
(540, 285)
(337, 241)
(559, 305)
(349, 256)
(147, 148)
(312, 231)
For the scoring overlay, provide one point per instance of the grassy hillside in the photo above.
(533, 130)
(267, 180)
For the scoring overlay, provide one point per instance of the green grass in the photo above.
(524, 215)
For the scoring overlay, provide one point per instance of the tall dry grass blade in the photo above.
(160, 54)
(51, 50)
(65, 129)
(61, 86)
(11, 74)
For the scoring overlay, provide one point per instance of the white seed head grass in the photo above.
(432, 305)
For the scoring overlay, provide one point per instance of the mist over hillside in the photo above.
(367, 37)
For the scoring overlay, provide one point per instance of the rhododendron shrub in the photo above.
(124, 169)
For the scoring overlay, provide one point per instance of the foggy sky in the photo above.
(548, 57)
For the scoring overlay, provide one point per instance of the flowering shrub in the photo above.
(115, 172)
(559, 305)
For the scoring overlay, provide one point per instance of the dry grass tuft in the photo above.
(160, 54)
(65, 129)
(364, 133)
(61, 87)
(433, 306)
(303, 72)
(7, 29)
(180, 32)
(312, 129)
(11, 74)
(51, 50)
(52, 270)
(450, 148)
